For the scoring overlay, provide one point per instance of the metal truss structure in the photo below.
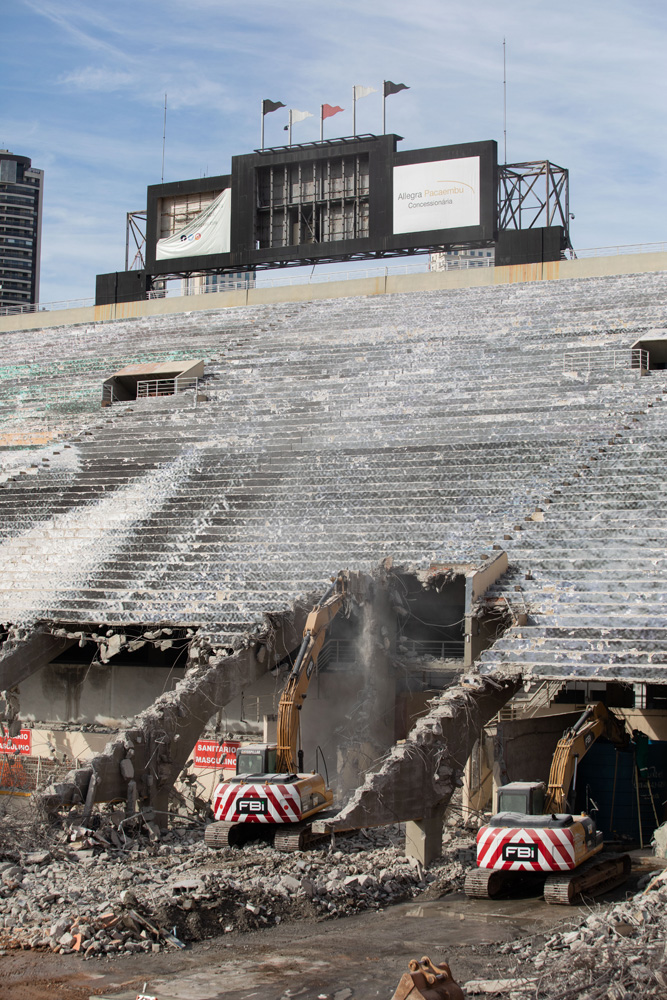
(533, 194)
(135, 240)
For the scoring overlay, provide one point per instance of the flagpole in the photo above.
(384, 108)
(354, 111)
(261, 132)
(321, 122)
(289, 131)
(505, 101)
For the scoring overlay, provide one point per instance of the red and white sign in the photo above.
(256, 803)
(210, 753)
(521, 849)
(22, 742)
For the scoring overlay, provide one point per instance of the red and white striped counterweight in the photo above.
(524, 849)
(256, 803)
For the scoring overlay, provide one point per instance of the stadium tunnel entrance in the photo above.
(656, 351)
(151, 379)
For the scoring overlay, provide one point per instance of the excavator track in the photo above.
(221, 834)
(291, 837)
(486, 883)
(295, 837)
(601, 874)
(216, 835)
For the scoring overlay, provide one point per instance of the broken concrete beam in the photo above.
(20, 659)
(163, 737)
(421, 773)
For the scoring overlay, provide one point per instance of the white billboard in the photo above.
(443, 194)
(208, 233)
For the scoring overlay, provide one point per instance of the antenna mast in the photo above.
(164, 136)
(505, 100)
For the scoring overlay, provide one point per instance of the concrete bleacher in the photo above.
(425, 426)
(594, 572)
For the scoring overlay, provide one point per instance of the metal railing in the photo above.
(343, 652)
(262, 280)
(620, 249)
(335, 653)
(165, 386)
(437, 649)
(604, 359)
(525, 705)
(33, 307)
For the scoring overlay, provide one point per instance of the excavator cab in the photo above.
(256, 758)
(525, 797)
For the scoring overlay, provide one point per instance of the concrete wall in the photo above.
(84, 694)
(525, 747)
(588, 267)
(478, 634)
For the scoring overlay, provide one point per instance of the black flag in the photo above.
(393, 88)
(268, 106)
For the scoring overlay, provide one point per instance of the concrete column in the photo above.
(423, 837)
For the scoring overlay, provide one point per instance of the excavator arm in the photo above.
(596, 721)
(296, 687)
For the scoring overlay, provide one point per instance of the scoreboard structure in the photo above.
(334, 200)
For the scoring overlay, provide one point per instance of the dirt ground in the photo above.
(364, 954)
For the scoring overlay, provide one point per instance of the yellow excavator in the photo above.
(271, 796)
(534, 831)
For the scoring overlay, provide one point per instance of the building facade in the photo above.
(463, 258)
(21, 195)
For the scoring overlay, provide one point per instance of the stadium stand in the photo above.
(433, 427)
(334, 433)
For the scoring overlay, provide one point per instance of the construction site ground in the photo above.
(314, 955)
(366, 954)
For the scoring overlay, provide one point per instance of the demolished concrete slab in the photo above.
(22, 656)
(142, 763)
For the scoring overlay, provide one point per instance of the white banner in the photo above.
(209, 232)
(443, 194)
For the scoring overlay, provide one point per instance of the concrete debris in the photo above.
(496, 987)
(617, 953)
(100, 900)
(659, 843)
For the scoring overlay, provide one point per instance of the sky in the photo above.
(83, 83)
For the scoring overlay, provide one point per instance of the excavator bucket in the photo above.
(426, 981)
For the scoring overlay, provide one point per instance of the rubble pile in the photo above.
(618, 952)
(106, 894)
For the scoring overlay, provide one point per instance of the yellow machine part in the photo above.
(595, 722)
(426, 981)
(314, 793)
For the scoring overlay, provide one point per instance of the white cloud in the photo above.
(97, 78)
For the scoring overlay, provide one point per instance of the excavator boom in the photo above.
(296, 687)
(596, 721)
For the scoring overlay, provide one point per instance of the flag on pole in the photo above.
(328, 111)
(295, 116)
(299, 116)
(268, 106)
(360, 91)
(393, 88)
